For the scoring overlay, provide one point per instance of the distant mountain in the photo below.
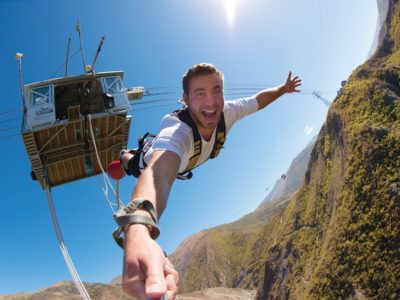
(294, 177)
(66, 290)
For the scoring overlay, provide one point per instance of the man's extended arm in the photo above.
(146, 270)
(267, 96)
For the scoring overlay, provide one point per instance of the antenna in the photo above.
(78, 29)
(66, 60)
(98, 52)
(18, 56)
(317, 95)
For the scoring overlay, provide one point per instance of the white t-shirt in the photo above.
(177, 136)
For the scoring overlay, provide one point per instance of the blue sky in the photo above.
(154, 42)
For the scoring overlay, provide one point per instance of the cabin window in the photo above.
(40, 96)
(113, 85)
(96, 132)
(85, 95)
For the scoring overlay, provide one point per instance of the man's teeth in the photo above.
(209, 113)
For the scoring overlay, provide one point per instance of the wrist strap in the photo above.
(125, 217)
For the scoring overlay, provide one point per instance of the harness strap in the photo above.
(220, 137)
(134, 163)
(184, 116)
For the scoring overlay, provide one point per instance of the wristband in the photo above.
(125, 217)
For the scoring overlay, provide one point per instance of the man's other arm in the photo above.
(268, 96)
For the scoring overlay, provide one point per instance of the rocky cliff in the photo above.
(339, 235)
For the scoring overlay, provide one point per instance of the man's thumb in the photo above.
(155, 285)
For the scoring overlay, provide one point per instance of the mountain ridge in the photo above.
(292, 179)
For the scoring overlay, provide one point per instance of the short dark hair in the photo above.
(198, 70)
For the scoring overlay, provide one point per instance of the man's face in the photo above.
(205, 102)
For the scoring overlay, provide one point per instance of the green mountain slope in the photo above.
(340, 235)
(215, 257)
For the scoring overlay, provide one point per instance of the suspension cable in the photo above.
(68, 261)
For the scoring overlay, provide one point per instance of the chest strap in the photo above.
(184, 116)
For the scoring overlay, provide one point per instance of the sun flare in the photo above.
(230, 11)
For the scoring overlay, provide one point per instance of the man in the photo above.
(147, 272)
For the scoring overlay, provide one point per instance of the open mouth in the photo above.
(209, 114)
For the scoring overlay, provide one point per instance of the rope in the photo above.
(68, 261)
(142, 102)
(105, 192)
(106, 179)
(9, 136)
(154, 106)
(117, 195)
(11, 111)
(8, 120)
(156, 94)
(9, 128)
(61, 66)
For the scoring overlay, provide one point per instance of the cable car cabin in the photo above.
(56, 131)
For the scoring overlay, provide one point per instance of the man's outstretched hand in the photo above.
(291, 85)
(147, 272)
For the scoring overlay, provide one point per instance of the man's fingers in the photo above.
(292, 83)
(170, 271)
(171, 278)
(172, 288)
(289, 76)
(172, 285)
(168, 263)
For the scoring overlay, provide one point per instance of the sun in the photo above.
(230, 11)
